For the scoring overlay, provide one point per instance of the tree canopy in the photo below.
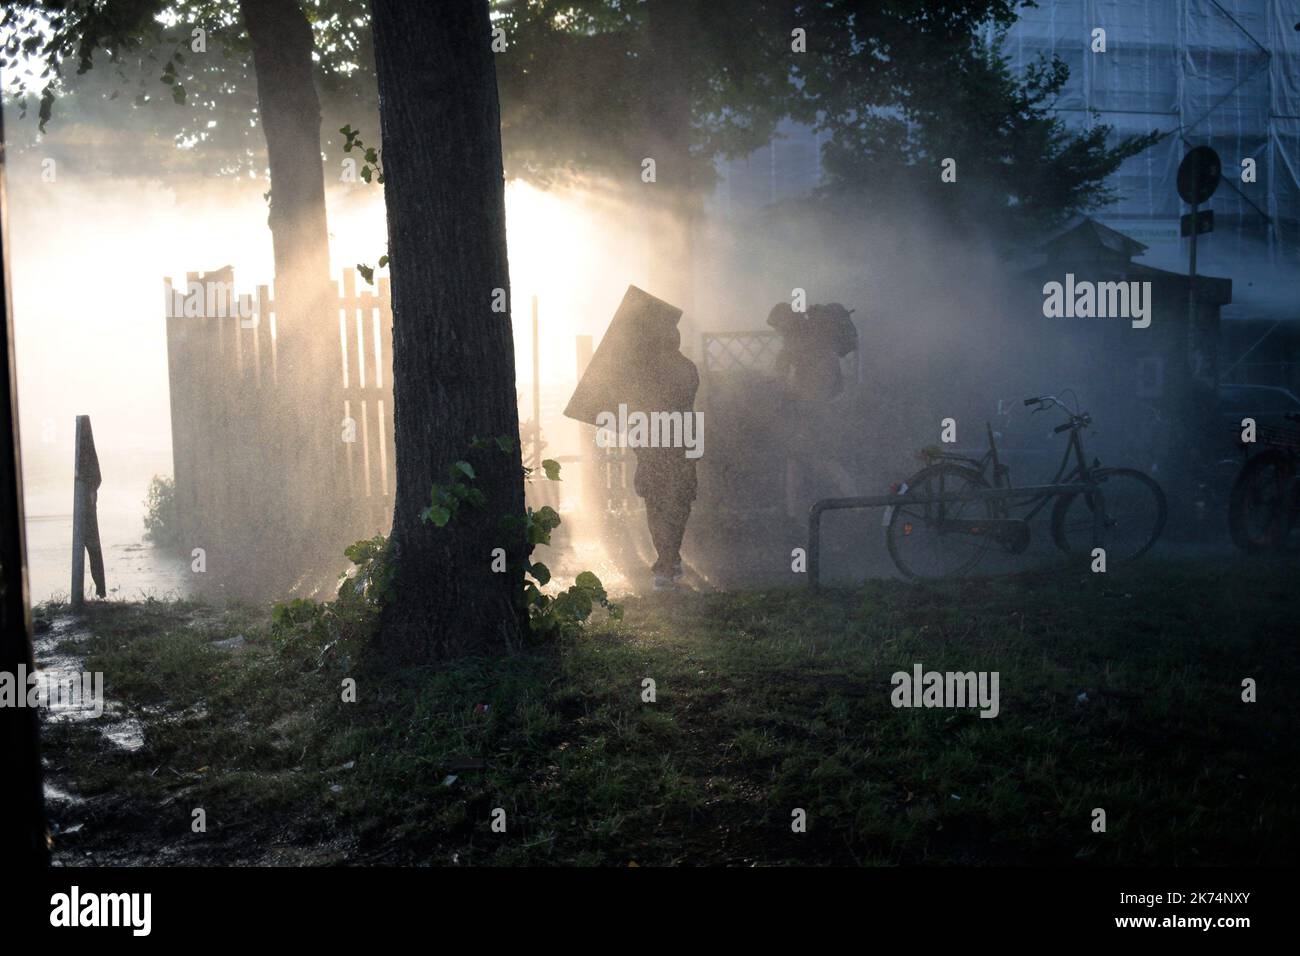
(893, 89)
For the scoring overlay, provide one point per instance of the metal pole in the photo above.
(985, 494)
(1191, 292)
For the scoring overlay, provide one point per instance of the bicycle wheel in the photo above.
(1259, 509)
(917, 545)
(1135, 515)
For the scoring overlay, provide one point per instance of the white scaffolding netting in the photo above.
(1222, 73)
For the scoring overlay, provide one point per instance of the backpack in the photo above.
(835, 327)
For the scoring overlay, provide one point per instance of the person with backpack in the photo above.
(812, 345)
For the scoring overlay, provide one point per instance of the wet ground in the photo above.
(69, 811)
(133, 568)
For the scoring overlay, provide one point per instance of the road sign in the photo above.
(1198, 175)
(1204, 222)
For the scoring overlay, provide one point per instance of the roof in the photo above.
(1089, 239)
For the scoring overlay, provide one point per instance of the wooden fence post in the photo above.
(85, 516)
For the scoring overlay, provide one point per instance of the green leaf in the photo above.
(438, 515)
(587, 581)
(540, 571)
(552, 469)
(366, 271)
(464, 467)
(580, 602)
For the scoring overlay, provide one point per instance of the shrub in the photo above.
(161, 518)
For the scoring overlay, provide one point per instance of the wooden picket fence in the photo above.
(233, 418)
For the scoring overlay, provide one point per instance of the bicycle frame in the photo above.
(1081, 473)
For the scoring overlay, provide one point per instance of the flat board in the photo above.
(612, 372)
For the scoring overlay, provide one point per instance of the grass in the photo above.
(766, 701)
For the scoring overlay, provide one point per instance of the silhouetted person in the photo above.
(665, 477)
(808, 368)
(812, 345)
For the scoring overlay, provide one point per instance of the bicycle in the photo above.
(949, 538)
(1265, 496)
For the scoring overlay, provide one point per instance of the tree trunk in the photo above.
(311, 504)
(24, 837)
(290, 114)
(453, 356)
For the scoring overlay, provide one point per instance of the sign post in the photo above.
(1198, 178)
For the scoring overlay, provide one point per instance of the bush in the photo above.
(333, 633)
(161, 519)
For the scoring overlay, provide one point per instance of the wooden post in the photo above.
(77, 593)
(85, 518)
(537, 393)
(594, 481)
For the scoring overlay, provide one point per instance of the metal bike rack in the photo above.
(987, 494)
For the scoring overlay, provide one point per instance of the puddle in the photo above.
(134, 568)
(62, 669)
(56, 794)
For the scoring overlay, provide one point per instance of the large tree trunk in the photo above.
(298, 525)
(23, 833)
(453, 357)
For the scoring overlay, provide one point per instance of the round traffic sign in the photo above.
(1198, 175)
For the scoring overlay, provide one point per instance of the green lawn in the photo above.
(767, 701)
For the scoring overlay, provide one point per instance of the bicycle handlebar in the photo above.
(1076, 420)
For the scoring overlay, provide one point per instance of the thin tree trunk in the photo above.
(290, 114)
(307, 427)
(453, 357)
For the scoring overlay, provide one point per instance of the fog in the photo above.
(939, 319)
